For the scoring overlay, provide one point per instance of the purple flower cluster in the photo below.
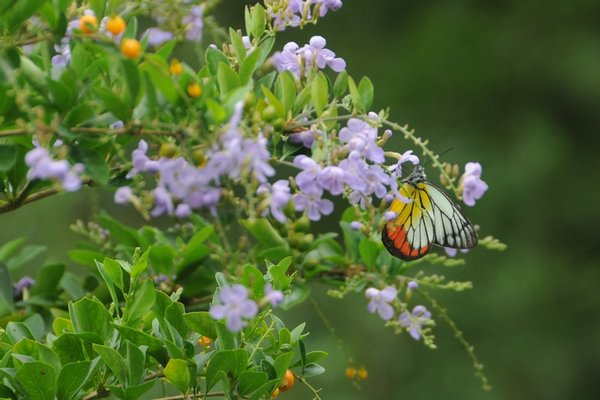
(415, 320)
(301, 60)
(360, 172)
(157, 36)
(194, 24)
(183, 187)
(43, 166)
(473, 186)
(279, 196)
(284, 13)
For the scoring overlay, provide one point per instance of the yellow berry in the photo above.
(205, 341)
(116, 25)
(351, 372)
(88, 23)
(275, 393)
(362, 373)
(131, 48)
(287, 382)
(176, 67)
(194, 90)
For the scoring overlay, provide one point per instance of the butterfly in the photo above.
(429, 218)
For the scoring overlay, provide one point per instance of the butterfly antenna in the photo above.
(441, 154)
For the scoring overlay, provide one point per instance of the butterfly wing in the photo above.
(452, 229)
(411, 234)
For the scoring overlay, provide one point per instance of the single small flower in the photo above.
(310, 200)
(287, 60)
(396, 169)
(390, 215)
(380, 301)
(356, 225)
(310, 171)
(117, 125)
(412, 285)
(414, 321)
(235, 307)
(183, 210)
(362, 138)
(279, 197)
(272, 296)
(473, 186)
(332, 179)
(22, 284)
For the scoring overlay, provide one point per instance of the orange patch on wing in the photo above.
(400, 237)
(424, 250)
(414, 253)
(405, 249)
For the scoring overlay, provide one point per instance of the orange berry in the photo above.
(275, 393)
(351, 372)
(287, 382)
(176, 67)
(362, 373)
(116, 25)
(88, 23)
(130, 48)
(205, 341)
(194, 90)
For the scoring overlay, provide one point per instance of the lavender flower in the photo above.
(332, 178)
(235, 307)
(356, 225)
(22, 284)
(305, 136)
(117, 125)
(194, 24)
(141, 162)
(390, 215)
(414, 321)
(123, 195)
(310, 171)
(274, 297)
(63, 58)
(157, 36)
(42, 166)
(310, 200)
(327, 5)
(284, 13)
(279, 197)
(473, 186)
(301, 60)
(451, 252)
(412, 285)
(396, 169)
(380, 301)
(362, 138)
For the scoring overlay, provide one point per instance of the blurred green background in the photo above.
(516, 86)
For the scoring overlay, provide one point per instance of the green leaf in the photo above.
(368, 251)
(315, 356)
(274, 101)
(72, 378)
(213, 58)
(238, 45)
(89, 315)
(34, 75)
(278, 274)
(17, 331)
(178, 374)
(19, 12)
(366, 92)
(136, 364)
(285, 90)
(225, 339)
(232, 362)
(249, 65)
(201, 322)
(85, 257)
(27, 254)
(299, 294)
(37, 351)
(79, 114)
(113, 271)
(282, 362)
(47, 280)
(98, 6)
(6, 292)
(137, 391)
(249, 381)
(166, 49)
(253, 278)
(60, 96)
(132, 79)
(320, 92)
(227, 78)
(140, 338)
(112, 103)
(38, 379)
(109, 283)
(8, 157)
(139, 303)
(262, 231)
(36, 325)
(313, 370)
(341, 84)
(9, 248)
(113, 360)
(296, 332)
(258, 21)
(354, 94)
(69, 348)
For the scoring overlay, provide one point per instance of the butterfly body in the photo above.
(429, 218)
